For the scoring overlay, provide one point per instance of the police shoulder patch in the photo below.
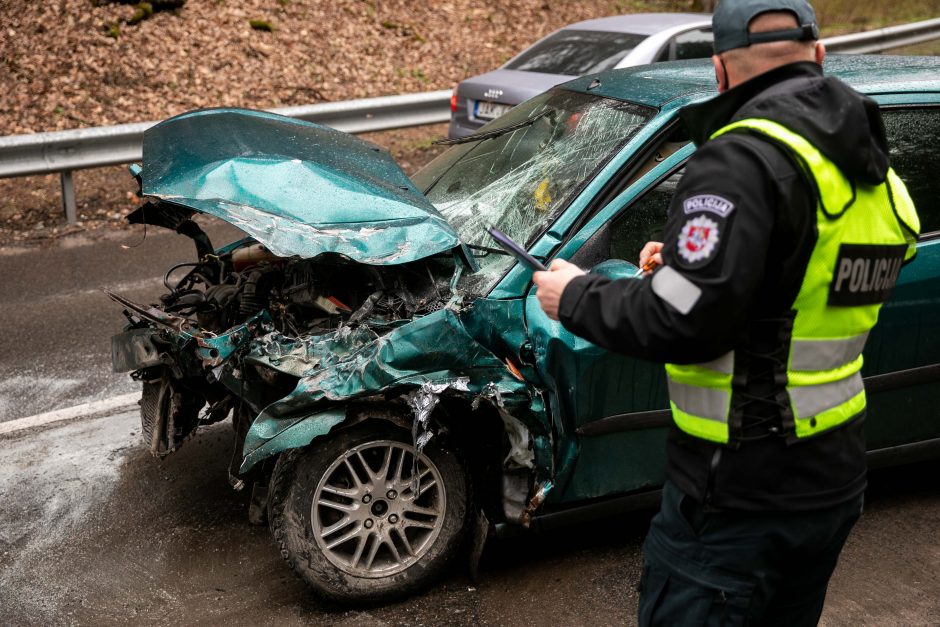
(698, 240)
(712, 203)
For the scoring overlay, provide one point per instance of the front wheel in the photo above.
(360, 518)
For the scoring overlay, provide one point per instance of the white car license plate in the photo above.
(489, 110)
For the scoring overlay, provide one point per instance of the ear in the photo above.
(820, 52)
(721, 74)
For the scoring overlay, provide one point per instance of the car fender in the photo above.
(418, 362)
(268, 437)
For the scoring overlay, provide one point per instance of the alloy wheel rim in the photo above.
(377, 509)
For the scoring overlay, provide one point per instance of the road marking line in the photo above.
(68, 413)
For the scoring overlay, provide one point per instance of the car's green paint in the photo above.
(659, 84)
(904, 99)
(906, 337)
(268, 438)
(616, 269)
(297, 187)
(350, 364)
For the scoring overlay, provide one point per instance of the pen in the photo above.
(649, 266)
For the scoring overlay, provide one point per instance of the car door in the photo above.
(902, 356)
(612, 409)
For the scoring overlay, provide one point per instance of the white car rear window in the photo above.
(576, 52)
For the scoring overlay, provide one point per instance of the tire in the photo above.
(315, 503)
(169, 414)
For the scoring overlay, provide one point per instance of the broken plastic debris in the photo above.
(422, 402)
(520, 453)
(537, 499)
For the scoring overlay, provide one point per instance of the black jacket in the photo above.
(741, 227)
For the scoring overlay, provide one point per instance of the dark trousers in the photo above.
(739, 568)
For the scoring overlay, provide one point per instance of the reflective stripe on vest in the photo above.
(825, 354)
(702, 412)
(810, 400)
(864, 234)
(700, 396)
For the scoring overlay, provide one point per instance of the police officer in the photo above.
(784, 237)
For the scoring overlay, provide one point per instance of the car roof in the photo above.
(657, 84)
(639, 23)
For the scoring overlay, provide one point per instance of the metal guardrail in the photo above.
(885, 38)
(65, 151)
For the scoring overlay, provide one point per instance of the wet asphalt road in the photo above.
(95, 531)
(56, 323)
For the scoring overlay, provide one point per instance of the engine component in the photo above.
(247, 256)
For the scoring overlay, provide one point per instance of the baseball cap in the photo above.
(731, 19)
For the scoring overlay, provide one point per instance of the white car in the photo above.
(578, 49)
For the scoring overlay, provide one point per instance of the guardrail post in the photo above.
(68, 196)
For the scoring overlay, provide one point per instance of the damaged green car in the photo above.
(395, 389)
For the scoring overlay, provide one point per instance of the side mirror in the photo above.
(617, 269)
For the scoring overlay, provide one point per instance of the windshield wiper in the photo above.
(486, 250)
(476, 137)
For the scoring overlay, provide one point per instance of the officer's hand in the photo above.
(651, 251)
(551, 284)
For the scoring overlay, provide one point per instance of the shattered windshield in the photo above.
(520, 180)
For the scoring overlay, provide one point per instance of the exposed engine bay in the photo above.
(245, 286)
(303, 296)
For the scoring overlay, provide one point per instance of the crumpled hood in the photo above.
(297, 187)
(843, 124)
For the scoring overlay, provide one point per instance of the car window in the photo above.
(915, 155)
(644, 221)
(692, 44)
(576, 52)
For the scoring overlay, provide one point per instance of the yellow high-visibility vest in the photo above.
(865, 234)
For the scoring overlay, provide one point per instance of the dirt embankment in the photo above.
(69, 64)
(77, 63)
